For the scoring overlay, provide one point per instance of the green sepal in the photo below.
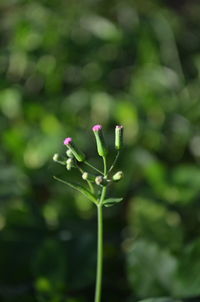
(119, 137)
(79, 155)
(111, 201)
(101, 146)
(78, 188)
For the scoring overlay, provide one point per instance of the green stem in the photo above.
(79, 168)
(105, 166)
(88, 182)
(99, 255)
(114, 162)
(91, 166)
(100, 247)
(100, 239)
(90, 186)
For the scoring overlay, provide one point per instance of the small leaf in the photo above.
(78, 188)
(111, 201)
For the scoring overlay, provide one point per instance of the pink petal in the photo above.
(96, 127)
(67, 141)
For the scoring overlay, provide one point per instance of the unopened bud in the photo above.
(100, 180)
(101, 146)
(85, 175)
(88, 176)
(69, 153)
(118, 176)
(56, 157)
(80, 156)
(69, 163)
(119, 137)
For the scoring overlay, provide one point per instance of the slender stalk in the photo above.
(88, 182)
(79, 168)
(91, 166)
(100, 248)
(105, 166)
(114, 162)
(90, 186)
(100, 240)
(99, 255)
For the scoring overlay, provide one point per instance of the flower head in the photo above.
(101, 146)
(67, 140)
(96, 127)
(80, 156)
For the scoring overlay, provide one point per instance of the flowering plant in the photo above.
(97, 184)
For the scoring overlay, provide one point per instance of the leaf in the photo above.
(111, 201)
(78, 188)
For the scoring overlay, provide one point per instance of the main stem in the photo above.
(100, 240)
(99, 255)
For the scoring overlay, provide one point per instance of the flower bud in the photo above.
(88, 176)
(69, 163)
(118, 176)
(101, 146)
(119, 137)
(100, 180)
(69, 153)
(80, 156)
(56, 157)
(85, 175)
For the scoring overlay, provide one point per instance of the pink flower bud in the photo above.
(101, 146)
(67, 141)
(80, 156)
(96, 127)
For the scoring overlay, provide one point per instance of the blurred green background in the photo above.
(66, 65)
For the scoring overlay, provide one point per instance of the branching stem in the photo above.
(91, 166)
(90, 186)
(114, 162)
